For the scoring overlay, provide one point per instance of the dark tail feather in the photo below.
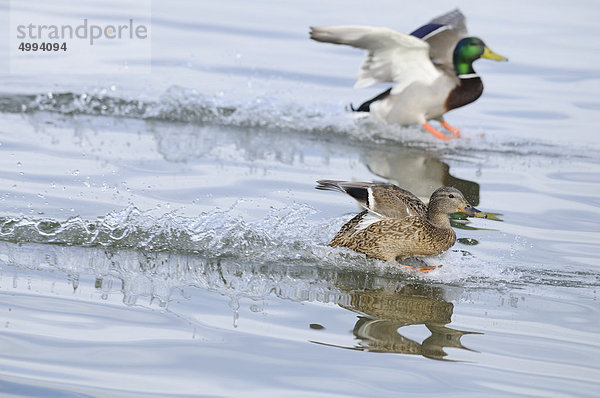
(366, 106)
(329, 185)
(357, 190)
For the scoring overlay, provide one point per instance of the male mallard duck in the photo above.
(395, 223)
(432, 69)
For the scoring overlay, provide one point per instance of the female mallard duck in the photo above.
(432, 69)
(395, 223)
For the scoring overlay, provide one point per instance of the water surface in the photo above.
(161, 234)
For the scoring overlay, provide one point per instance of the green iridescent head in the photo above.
(469, 50)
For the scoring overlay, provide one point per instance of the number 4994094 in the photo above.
(44, 46)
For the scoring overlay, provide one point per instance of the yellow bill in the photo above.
(489, 54)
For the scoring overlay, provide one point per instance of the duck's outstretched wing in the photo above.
(392, 56)
(383, 200)
(443, 33)
(454, 18)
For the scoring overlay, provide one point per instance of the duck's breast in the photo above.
(469, 89)
(417, 104)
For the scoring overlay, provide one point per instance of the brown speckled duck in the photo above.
(395, 223)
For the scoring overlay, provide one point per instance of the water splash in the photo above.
(323, 121)
(218, 233)
(283, 253)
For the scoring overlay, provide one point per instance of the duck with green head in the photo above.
(432, 69)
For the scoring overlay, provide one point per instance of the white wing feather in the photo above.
(367, 220)
(392, 56)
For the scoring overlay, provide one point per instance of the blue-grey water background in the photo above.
(160, 233)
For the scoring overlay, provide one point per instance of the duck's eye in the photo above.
(451, 196)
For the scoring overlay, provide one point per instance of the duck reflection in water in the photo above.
(384, 313)
(421, 173)
(418, 172)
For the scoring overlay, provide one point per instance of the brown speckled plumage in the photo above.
(400, 227)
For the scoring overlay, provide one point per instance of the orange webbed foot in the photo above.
(428, 268)
(424, 269)
(455, 132)
(437, 133)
